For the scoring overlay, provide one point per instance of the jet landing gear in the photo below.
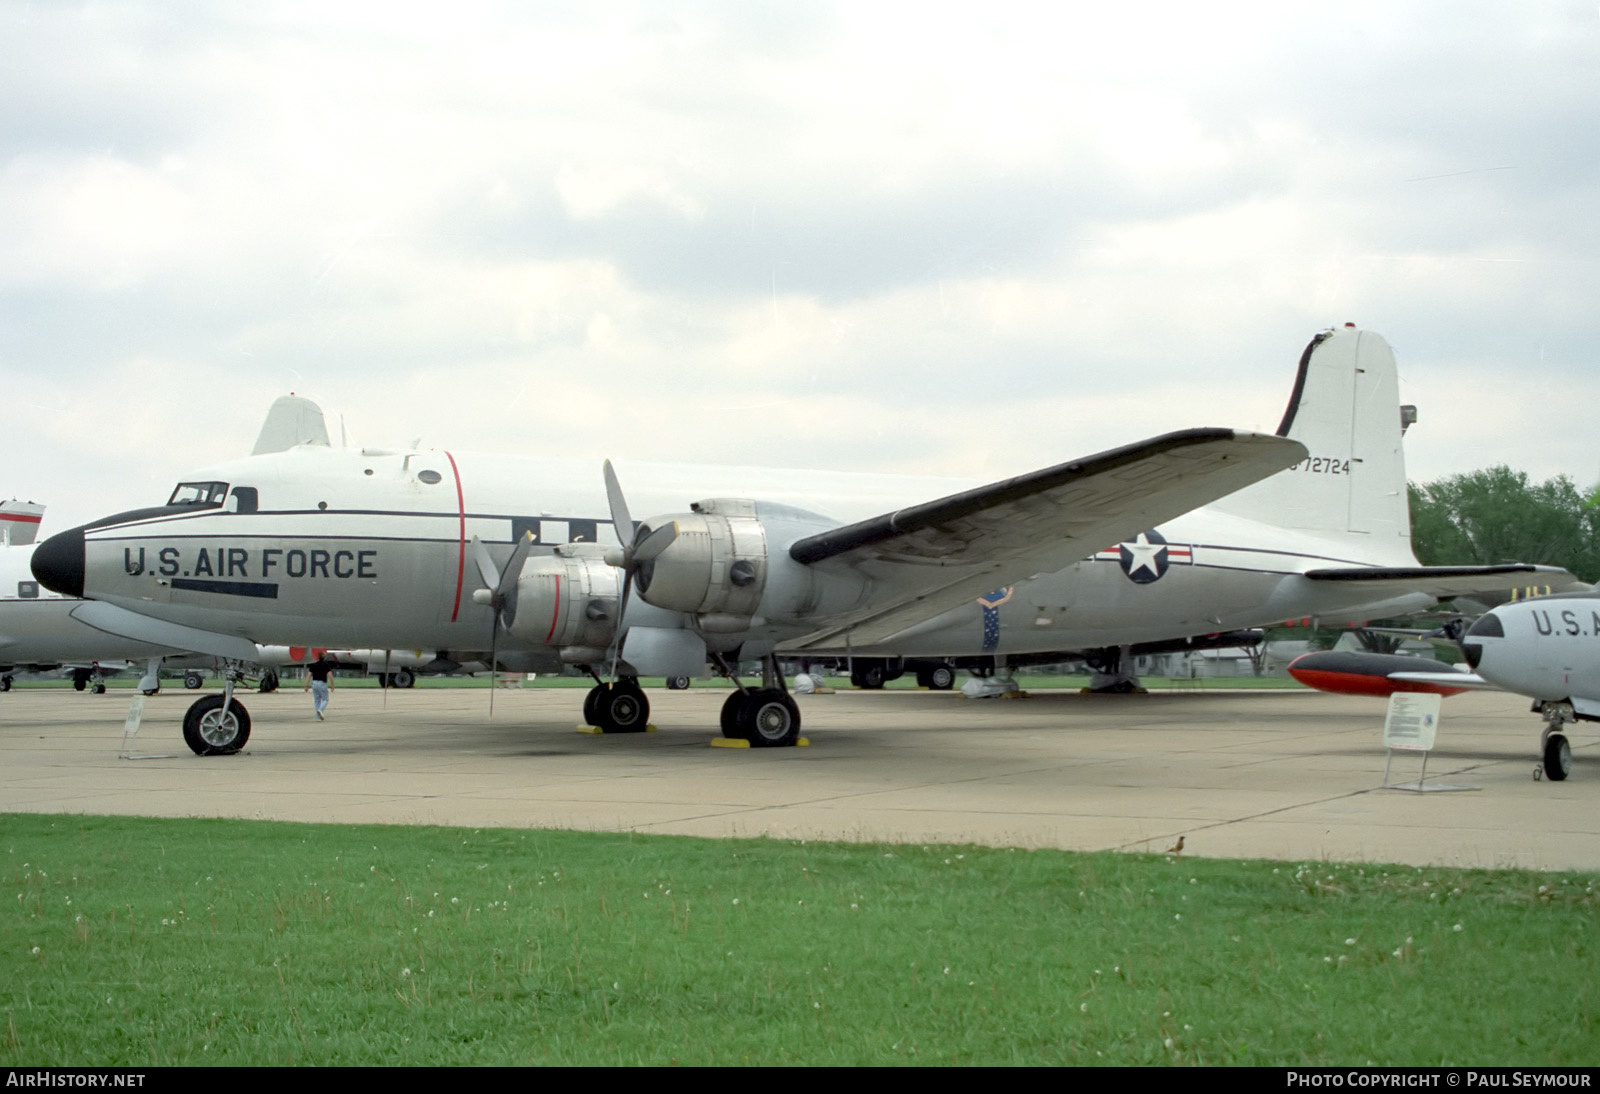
(768, 716)
(217, 725)
(617, 708)
(1555, 752)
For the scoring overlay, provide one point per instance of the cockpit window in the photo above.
(243, 500)
(199, 494)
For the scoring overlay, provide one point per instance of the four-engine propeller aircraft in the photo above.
(1547, 648)
(527, 561)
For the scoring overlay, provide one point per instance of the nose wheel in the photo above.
(216, 726)
(1556, 752)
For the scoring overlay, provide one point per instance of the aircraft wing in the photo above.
(1448, 581)
(125, 624)
(1466, 681)
(930, 558)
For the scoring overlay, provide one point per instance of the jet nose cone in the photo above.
(58, 562)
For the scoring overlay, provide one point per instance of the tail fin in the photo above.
(19, 522)
(1346, 410)
(292, 420)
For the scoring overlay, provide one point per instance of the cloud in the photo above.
(873, 236)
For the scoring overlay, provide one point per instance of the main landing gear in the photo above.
(1109, 677)
(88, 678)
(768, 716)
(765, 716)
(1555, 753)
(617, 708)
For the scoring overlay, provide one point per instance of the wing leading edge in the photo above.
(928, 558)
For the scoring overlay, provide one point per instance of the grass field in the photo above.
(146, 942)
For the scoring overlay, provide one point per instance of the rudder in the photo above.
(1345, 408)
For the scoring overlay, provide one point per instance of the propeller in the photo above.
(499, 593)
(638, 547)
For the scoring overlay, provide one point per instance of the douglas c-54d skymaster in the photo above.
(529, 561)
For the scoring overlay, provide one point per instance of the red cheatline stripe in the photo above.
(555, 615)
(461, 558)
(23, 518)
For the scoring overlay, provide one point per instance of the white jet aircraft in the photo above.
(1544, 647)
(528, 561)
(1548, 649)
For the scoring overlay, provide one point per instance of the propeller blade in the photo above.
(505, 593)
(657, 541)
(622, 611)
(486, 566)
(619, 508)
(508, 580)
(494, 660)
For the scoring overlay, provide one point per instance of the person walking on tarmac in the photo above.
(319, 681)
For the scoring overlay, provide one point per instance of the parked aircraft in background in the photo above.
(1547, 648)
(527, 562)
(19, 522)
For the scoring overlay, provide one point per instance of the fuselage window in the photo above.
(199, 494)
(28, 590)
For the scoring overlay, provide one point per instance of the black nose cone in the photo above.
(58, 562)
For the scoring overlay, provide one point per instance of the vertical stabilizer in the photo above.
(19, 522)
(1345, 409)
(293, 420)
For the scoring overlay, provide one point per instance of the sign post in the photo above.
(1410, 726)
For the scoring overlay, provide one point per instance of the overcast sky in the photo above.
(960, 239)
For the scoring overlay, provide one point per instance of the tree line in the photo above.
(1497, 515)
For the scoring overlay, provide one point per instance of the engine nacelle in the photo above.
(730, 567)
(717, 563)
(567, 601)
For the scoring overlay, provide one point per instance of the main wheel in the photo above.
(5, 683)
(677, 683)
(1557, 757)
(98, 688)
(937, 678)
(384, 679)
(732, 707)
(591, 704)
(405, 678)
(80, 679)
(269, 682)
(869, 676)
(769, 718)
(192, 680)
(622, 708)
(210, 731)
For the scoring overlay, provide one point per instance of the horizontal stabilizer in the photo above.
(927, 559)
(1448, 581)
